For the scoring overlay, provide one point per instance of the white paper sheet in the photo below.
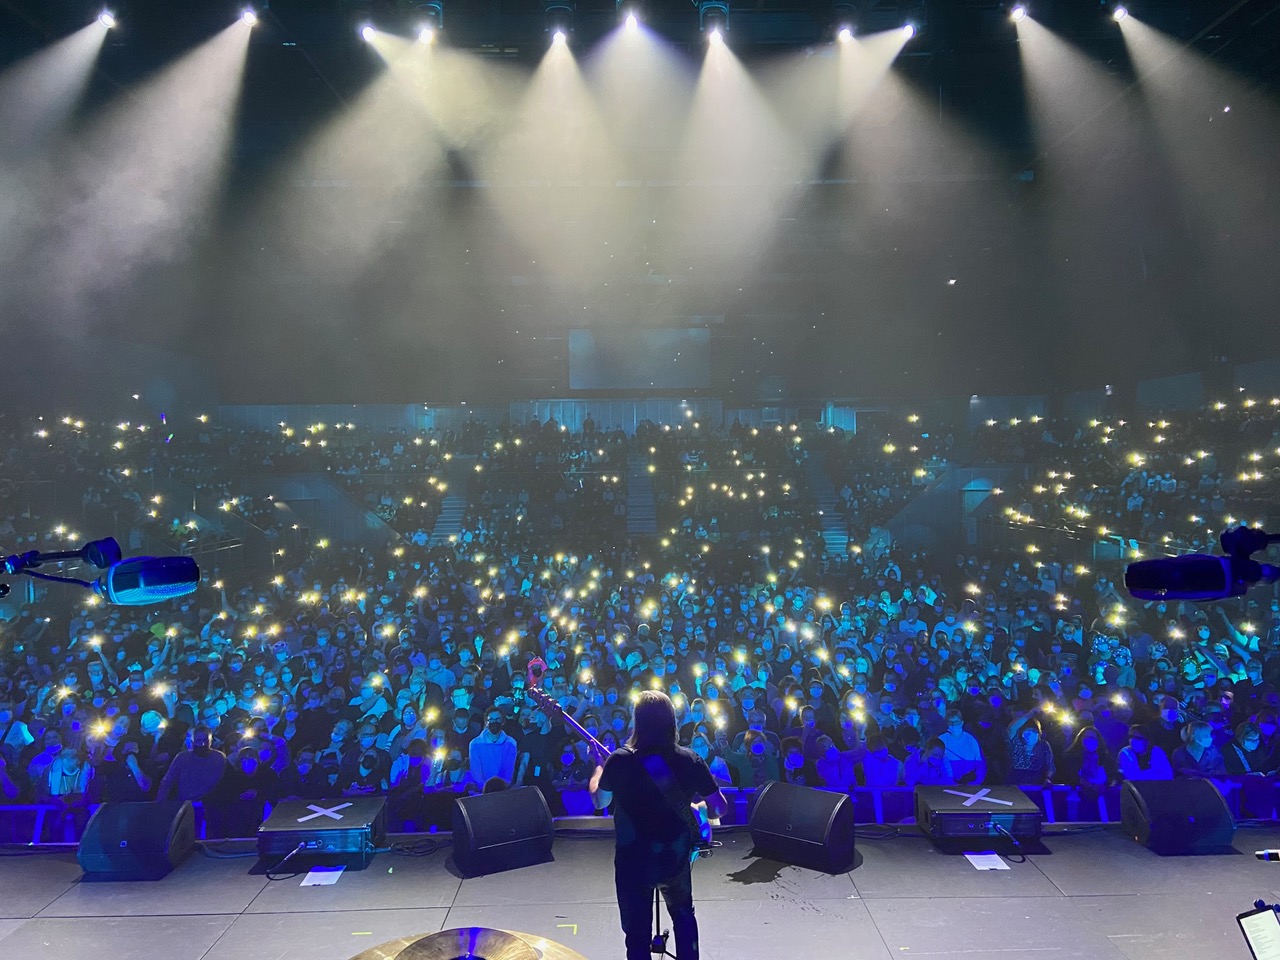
(986, 861)
(322, 876)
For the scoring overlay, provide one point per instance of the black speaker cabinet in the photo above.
(1174, 817)
(137, 841)
(500, 831)
(803, 826)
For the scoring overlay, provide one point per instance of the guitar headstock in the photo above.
(538, 670)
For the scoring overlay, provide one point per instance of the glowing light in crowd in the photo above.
(107, 19)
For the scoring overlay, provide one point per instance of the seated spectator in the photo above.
(963, 751)
(1242, 755)
(1198, 757)
(879, 767)
(119, 777)
(66, 786)
(754, 765)
(296, 780)
(719, 768)
(1141, 759)
(1087, 762)
(929, 765)
(837, 769)
(367, 776)
(196, 772)
(492, 752)
(237, 806)
(1031, 760)
(10, 790)
(795, 768)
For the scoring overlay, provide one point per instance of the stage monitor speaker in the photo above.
(500, 831)
(803, 826)
(137, 841)
(1174, 817)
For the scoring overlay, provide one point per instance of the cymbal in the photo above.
(470, 943)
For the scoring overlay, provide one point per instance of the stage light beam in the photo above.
(426, 35)
(38, 95)
(367, 33)
(632, 22)
(248, 17)
(1018, 13)
(107, 19)
(559, 36)
(844, 35)
(1119, 14)
(909, 30)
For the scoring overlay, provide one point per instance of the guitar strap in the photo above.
(660, 773)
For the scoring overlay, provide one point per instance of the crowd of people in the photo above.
(346, 671)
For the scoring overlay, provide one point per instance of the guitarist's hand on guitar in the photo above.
(597, 753)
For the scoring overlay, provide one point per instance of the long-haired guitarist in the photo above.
(652, 782)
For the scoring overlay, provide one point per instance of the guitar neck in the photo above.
(550, 705)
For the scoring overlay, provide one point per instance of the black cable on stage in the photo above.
(283, 861)
(416, 848)
(1017, 844)
(208, 848)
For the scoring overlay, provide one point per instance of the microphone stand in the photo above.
(99, 553)
(658, 945)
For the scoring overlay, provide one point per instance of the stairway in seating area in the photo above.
(642, 511)
(454, 506)
(828, 504)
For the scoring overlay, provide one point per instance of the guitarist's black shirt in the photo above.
(651, 832)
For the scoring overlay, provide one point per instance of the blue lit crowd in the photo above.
(401, 670)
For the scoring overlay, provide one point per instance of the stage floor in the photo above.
(1094, 894)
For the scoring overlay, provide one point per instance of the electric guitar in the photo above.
(696, 814)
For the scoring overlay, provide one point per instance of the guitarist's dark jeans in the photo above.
(635, 904)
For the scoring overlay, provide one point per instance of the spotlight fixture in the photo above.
(430, 15)
(367, 33)
(107, 19)
(713, 19)
(426, 35)
(248, 17)
(558, 16)
(844, 34)
(908, 30)
(1119, 14)
(632, 22)
(1018, 13)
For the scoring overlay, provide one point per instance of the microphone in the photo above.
(1196, 576)
(141, 581)
(1202, 576)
